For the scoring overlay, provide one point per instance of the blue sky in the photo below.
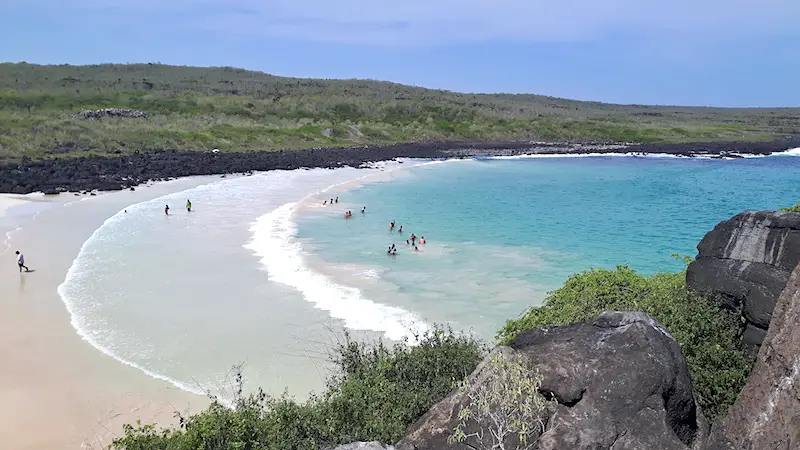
(693, 52)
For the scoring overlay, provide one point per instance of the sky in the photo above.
(679, 52)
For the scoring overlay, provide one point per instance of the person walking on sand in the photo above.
(21, 262)
(189, 205)
(166, 209)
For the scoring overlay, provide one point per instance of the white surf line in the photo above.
(75, 318)
(274, 233)
(7, 241)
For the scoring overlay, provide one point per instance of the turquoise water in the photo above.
(260, 272)
(501, 233)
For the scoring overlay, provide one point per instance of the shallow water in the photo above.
(262, 273)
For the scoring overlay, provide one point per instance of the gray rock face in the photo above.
(618, 381)
(111, 112)
(746, 262)
(766, 415)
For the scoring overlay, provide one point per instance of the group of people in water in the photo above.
(412, 240)
(392, 250)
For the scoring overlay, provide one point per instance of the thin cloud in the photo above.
(430, 22)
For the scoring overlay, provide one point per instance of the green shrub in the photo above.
(377, 393)
(795, 208)
(709, 335)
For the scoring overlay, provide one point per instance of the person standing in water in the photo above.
(188, 205)
(391, 225)
(166, 209)
(400, 230)
(337, 199)
(422, 240)
(21, 262)
(363, 209)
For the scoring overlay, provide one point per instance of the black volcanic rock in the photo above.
(620, 382)
(745, 262)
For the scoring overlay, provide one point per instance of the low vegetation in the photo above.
(708, 334)
(795, 208)
(505, 410)
(233, 109)
(376, 394)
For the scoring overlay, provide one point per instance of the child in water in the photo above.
(166, 209)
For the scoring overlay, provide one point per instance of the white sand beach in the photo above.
(57, 391)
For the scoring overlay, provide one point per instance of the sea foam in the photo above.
(274, 241)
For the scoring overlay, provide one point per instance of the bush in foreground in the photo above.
(709, 335)
(376, 394)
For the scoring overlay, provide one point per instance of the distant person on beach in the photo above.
(188, 205)
(337, 199)
(166, 209)
(325, 203)
(21, 262)
(331, 201)
(363, 210)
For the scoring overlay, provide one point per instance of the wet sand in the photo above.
(57, 391)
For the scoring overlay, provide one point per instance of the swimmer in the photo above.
(363, 210)
(166, 209)
(413, 238)
(391, 225)
(416, 249)
(422, 240)
(408, 243)
(401, 229)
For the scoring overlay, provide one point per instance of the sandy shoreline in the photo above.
(57, 391)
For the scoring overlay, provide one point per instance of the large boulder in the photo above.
(745, 262)
(766, 416)
(618, 381)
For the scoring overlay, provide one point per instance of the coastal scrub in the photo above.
(708, 334)
(795, 208)
(377, 392)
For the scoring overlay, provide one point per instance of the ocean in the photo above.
(261, 273)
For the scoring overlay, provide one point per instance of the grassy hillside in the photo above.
(234, 109)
